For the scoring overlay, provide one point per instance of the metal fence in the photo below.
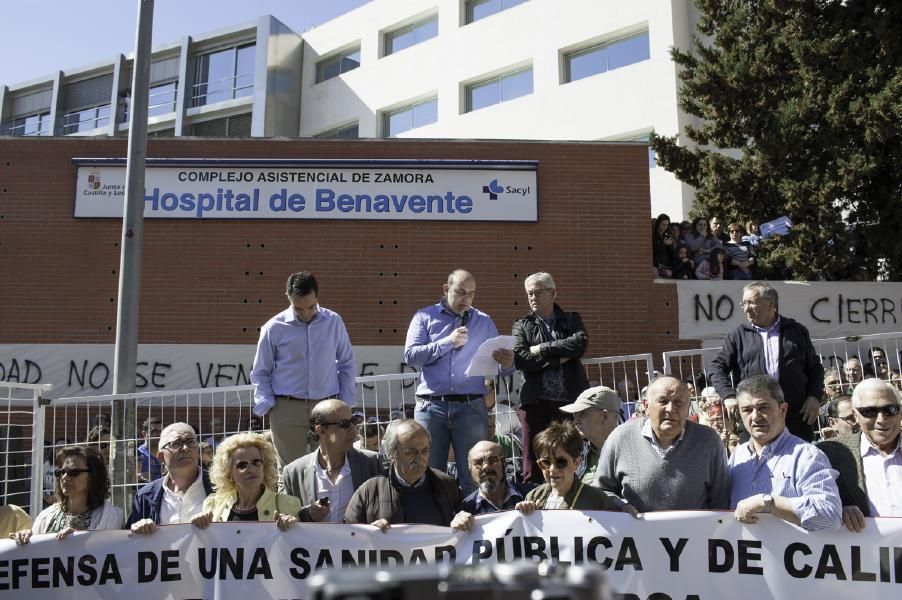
(21, 432)
(628, 374)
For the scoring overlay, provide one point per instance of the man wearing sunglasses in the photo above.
(777, 472)
(326, 478)
(870, 461)
(178, 495)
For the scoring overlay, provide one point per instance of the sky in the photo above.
(41, 37)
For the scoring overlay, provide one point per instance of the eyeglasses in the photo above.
(534, 293)
(70, 472)
(870, 412)
(559, 463)
(490, 460)
(734, 231)
(176, 445)
(748, 303)
(242, 465)
(344, 423)
(850, 418)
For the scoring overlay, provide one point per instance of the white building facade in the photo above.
(588, 70)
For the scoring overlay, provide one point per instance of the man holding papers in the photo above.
(442, 340)
(549, 344)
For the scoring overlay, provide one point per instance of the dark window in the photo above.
(410, 35)
(345, 132)
(605, 57)
(410, 117)
(224, 75)
(499, 89)
(480, 9)
(338, 64)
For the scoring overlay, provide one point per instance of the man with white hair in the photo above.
(870, 461)
(178, 495)
(411, 492)
(548, 347)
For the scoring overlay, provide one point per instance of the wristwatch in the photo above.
(768, 503)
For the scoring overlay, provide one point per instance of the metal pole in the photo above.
(126, 358)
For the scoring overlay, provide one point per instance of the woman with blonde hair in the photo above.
(244, 475)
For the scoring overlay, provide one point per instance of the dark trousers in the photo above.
(533, 419)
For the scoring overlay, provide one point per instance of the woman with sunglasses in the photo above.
(82, 489)
(245, 476)
(558, 449)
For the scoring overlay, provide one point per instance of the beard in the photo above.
(488, 487)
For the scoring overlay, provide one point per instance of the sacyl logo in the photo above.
(492, 189)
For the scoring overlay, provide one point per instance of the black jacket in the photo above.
(801, 372)
(380, 498)
(571, 343)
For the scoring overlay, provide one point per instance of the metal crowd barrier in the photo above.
(628, 374)
(21, 444)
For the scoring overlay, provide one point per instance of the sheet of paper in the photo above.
(483, 363)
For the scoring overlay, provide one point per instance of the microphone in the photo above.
(464, 318)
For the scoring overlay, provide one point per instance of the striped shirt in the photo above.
(792, 468)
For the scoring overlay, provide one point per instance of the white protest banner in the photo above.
(686, 555)
(445, 190)
(87, 369)
(710, 309)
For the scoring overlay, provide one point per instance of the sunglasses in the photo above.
(870, 412)
(490, 460)
(559, 463)
(344, 423)
(70, 472)
(242, 465)
(176, 445)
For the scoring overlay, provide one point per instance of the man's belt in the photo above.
(454, 397)
(282, 397)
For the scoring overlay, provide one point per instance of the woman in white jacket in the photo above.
(82, 489)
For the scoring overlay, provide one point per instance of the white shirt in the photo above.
(179, 508)
(339, 493)
(883, 478)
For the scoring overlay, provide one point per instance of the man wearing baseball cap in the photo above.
(596, 412)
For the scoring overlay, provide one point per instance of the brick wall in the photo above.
(218, 281)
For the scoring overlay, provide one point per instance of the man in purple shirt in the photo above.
(775, 345)
(304, 355)
(441, 341)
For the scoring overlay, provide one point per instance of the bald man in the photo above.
(663, 461)
(326, 478)
(442, 340)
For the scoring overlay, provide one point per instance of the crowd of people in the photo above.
(584, 447)
(704, 249)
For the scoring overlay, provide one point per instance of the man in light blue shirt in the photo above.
(441, 341)
(775, 471)
(304, 355)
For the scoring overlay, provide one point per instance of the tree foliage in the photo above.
(798, 107)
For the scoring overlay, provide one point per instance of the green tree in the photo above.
(799, 113)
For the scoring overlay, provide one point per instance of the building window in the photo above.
(499, 89)
(337, 64)
(224, 75)
(30, 125)
(86, 119)
(410, 35)
(236, 126)
(161, 99)
(606, 57)
(410, 117)
(480, 9)
(345, 132)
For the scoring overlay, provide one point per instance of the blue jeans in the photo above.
(453, 424)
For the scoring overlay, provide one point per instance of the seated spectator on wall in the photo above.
(82, 489)
(753, 235)
(683, 267)
(712, 268)
(180, 494)
(663, 246)
(411, 492)
(685, 229)
(245, 476)
(740, 258)
(701, 241)
(717, 229)
(558, 448)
